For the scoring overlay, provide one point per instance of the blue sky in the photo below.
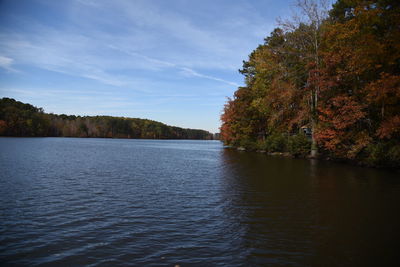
(174, 61)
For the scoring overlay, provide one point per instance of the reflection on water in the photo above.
(301, 212)
(104, 202)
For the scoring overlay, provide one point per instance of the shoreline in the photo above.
(93, 137)
(308, 157)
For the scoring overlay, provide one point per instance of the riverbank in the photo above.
(320, 157)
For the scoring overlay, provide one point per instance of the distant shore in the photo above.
(25, 120)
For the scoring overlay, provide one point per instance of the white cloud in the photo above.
(6, 62)
(143, 50)
(97, 58)
(191, 72)
(188, 72)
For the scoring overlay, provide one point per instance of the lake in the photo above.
(118, 202)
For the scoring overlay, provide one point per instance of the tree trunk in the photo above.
(314, 147)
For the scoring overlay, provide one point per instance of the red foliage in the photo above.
(389, 127)
(3, 126)
(338, 123)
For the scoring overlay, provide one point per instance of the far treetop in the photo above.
(20, 119)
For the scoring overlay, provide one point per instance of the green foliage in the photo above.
(383, 154)
(299, 145)
(262, 145)
(248, 144)
(19, 119)
(276, 143)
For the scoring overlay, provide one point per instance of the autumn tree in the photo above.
(305, 28)
(337, 73)
(361, 68)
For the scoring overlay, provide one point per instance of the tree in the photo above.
(19, 119)
(306, 28)
(338, 74)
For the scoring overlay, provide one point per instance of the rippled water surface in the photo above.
(108, 202)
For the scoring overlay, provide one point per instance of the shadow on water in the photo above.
(296, 212)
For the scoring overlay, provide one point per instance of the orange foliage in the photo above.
(348, 88)
(338, 122)
(3, 127)
(389, 127)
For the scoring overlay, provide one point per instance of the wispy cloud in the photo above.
(191, 72)
(188, 72)
(81, 56)
(6, 63)
(162, 55)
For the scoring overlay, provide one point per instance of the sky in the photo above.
(173, 61)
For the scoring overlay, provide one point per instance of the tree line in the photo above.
(331, 73)
(20, 119)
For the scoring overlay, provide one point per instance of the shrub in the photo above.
(299, 145)
(262, 145)
(394, 156)
(384, 154)
(248, 144)
(276, 143)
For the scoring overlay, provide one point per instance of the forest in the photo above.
(325, 83)
(20, 119)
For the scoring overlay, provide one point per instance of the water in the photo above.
(108, 202)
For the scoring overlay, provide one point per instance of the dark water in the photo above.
(103, 202)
